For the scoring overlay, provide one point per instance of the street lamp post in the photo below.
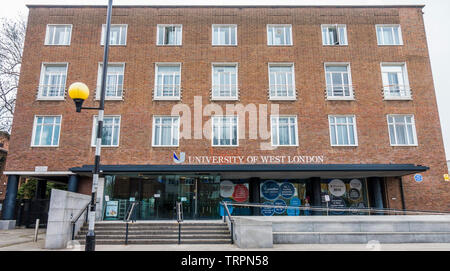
(79, 92)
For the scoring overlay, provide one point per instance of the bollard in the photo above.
(36, 230)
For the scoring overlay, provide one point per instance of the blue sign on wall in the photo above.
(294, 202)
(287, 190)
(418, 178)
(269, 210)
(222, 209)
(270, 190)
(279, 202)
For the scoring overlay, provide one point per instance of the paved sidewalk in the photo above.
(22, 240)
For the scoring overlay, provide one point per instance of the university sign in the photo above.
(247, 159)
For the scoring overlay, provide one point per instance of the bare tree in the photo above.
(12, 35)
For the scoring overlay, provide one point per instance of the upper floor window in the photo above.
(224, 131)
(402, 130)
(338, 79)
(46, 130)
(224, 82)
(110, 132)
(167, 81)
(169, 34)
(117, 35)
(224, 34)
(281, 82)
(166, 131)
(52, 84)
(389, 35)
(335, 34)
(343, 131)
(58, 34)
(284, 130)
(279, 34)
(114, 81)
(395, 81)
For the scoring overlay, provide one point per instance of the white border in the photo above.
(405, 77)
(212, 131)
(229, 64)
(157, 98)
(352, 91)
(33, 134)
(278, 25)
(221, 25)
(97, 91)
(416, 144)
(47, 33)
(94, 127)
(102, 42)
(355, 131)
(286, 64)
(164, 25)
(400, 39)
(296, 131)
(41, 78)
(153, 131)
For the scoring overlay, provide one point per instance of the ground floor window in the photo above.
(344, 193)
(277, 194)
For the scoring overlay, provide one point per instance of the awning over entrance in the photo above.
(263, 170)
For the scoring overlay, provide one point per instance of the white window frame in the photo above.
(94, 130)
(33, 134)
(278, 131)
(283, 98)
(99, 82)
(347, 124)
(337, 26)
(400, 38)
(413, 122)
(224, 98)
(279, 25)
(171, 131)
(213, 121)
(407, 89)
(349, 71)
(224, 25)
(47, 37)
(166, 25)
(102, 38)
(166, 98)
(41, 81)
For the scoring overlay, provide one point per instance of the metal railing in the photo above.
(339, 91)
(128, 217)
(327, 210)
(230, 218)
(396, 91)
(179, 209)
(75, 220)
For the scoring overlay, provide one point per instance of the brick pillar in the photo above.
(9, 204)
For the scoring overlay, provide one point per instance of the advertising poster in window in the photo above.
(111, 209)
(345, 193)
(278, 194)
(235, 191)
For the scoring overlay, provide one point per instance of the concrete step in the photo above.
(165, 224)
(140, 227)
(359, 237)
(150, 232)
(158, 241)
(156, 236)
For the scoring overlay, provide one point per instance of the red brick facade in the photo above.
(253, 55)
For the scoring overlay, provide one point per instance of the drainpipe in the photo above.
(402, 195)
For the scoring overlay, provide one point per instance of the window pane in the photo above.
(333, 135)
(392, 134)
(401, 134)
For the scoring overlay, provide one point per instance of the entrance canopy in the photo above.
(263, 170)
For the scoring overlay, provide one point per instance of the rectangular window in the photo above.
(343, 131)
(225, 131)
(338, 79)
(165, 131)
(167, 82)
(284, 130)
(402, 130)
(279, 34)
(53, 81)
(334, 34)
(224, 34)
(117, 36)
(169, 34)
(110, 131)
(389, 35)
(281, 82)
(114, 81)
(395, 81)
(224, 82)
(58, 34)
(46, 130)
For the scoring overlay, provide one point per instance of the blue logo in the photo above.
(418, 178)
(180, 159)
(270, 190)
(269, 210)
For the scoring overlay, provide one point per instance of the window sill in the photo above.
(219, 99)
(335, 45)
(169, 45)
(56, 44)
(278, 45)
(398, 98)
(168, 99)
(166, 146)
(224, 45)
(34, 146)
(352, 146)
(283, 99)
(416, 145)
(340, 99)
(51, 99)
(111, 99)
(118, 45)
(224, 146)
(106, 146)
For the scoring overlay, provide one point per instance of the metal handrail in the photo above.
(231, 220)
(75, 220)
(127, 219)
(317, 208)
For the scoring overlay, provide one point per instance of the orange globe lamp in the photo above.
(78, 92)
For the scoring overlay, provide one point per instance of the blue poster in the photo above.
(270, 190)
(287, 190)
(294, 202)
(222, 209)
(282, 203)
(269, 210)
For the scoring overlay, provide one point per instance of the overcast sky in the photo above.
(437, 23)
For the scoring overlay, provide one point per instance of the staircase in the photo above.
(158, 232)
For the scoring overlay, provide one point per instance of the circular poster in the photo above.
(355, 183)
(240, 193)
(226, 189)
(269, 210)
(270, 190)
(281, 203)
(354, 194)
(336, 187)
(287, 190)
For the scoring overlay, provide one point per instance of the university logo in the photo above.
(179, 159)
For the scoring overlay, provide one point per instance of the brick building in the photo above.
(4, 143)
(349, 92)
